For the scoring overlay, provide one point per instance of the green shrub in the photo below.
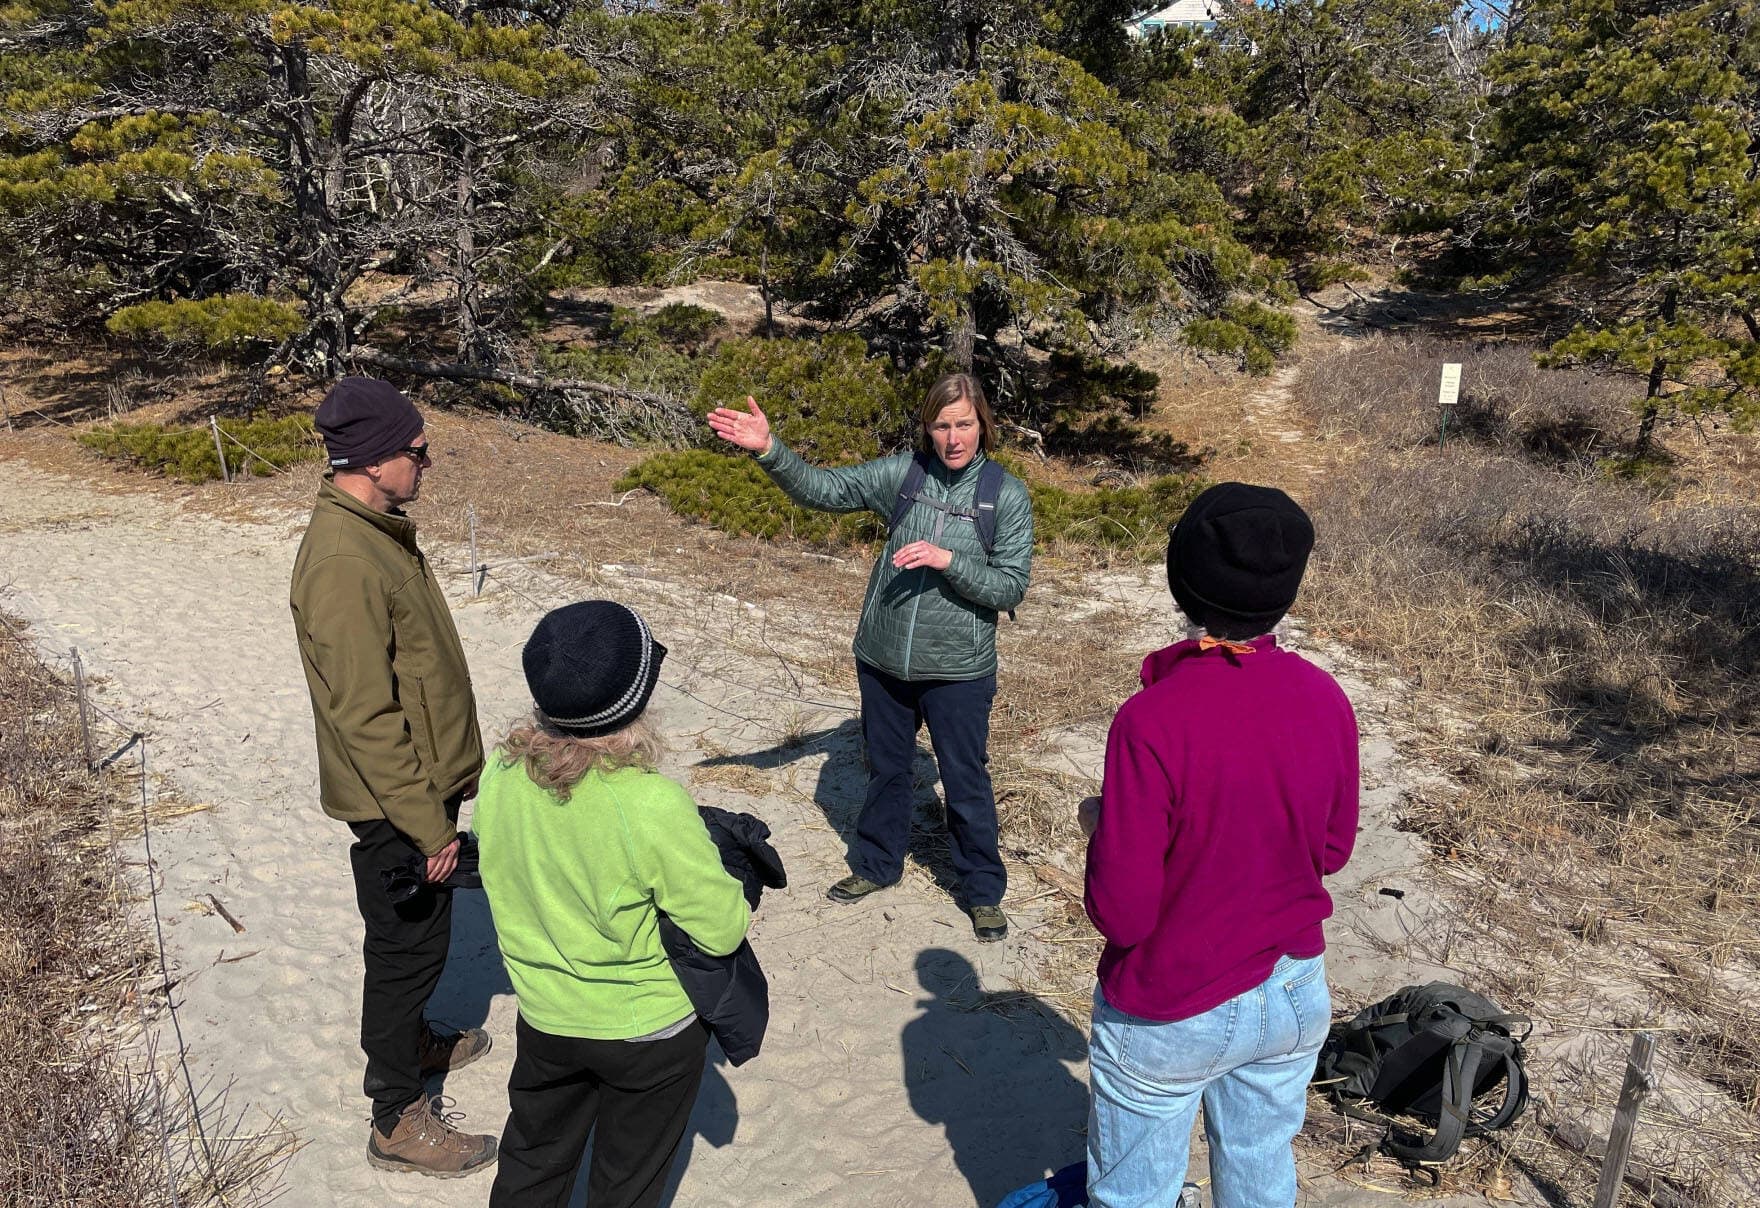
(659, 354)
(225, 322)
(1255, 334)
(834, 404)
(677, 323)
(827, 398)
(188, 453)
(1079, 384)
(1654, 473)
(653, 367)
(734, 495)
(1134, 519)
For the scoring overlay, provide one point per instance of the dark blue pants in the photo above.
(958, 716)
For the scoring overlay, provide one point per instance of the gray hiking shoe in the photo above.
(852, 889)
(989, 924)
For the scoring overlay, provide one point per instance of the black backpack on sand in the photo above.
(1429, 1052)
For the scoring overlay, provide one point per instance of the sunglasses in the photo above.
(418, 452)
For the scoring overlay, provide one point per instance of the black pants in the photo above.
(958, 714)
(405, 952)
(638, 1094)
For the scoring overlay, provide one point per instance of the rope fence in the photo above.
(89, 711)
(221, 434)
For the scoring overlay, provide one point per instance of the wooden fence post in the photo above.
(470, 515)
(220, 449)
(1639, 1083)
(79, 690)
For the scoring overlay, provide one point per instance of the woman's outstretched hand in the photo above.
(749, 429)
(921, 553)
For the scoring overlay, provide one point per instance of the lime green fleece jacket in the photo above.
(575, 886)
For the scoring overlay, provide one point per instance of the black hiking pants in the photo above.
(405, 953)
(634, 1097)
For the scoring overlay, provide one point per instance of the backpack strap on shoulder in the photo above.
(907, 492)
(990, 476)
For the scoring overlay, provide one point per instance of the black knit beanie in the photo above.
(364, 420)
(591, 667)
(1238, 554)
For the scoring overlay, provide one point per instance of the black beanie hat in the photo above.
(364, 420)
(591, 667)
(1238, 553)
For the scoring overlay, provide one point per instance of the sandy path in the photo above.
(879, 1085)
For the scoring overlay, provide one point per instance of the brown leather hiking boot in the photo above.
(425, 1142)
(451, 1050)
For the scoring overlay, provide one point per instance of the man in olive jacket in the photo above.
(398, 752)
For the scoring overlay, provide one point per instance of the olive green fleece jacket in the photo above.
(923, 624)
(391, 696)
(575, 887)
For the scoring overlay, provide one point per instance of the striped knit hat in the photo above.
(591, 667)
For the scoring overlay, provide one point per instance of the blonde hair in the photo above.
(558, 761)
(945, 393)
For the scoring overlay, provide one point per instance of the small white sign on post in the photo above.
(1451, 384)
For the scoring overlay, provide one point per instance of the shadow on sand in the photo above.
(843, 783)
(992, 1070)
(474, 975)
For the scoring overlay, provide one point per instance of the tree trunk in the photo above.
(961, 339)
(315, 166)
(616, 413)
(1658, 374)
(366, 354)
(472, 346)
(1647, 421)
(764, 284)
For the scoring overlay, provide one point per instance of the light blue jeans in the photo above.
(1247, 1061)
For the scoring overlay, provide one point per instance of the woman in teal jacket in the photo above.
(926, 643)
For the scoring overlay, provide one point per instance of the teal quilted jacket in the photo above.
(923, 624)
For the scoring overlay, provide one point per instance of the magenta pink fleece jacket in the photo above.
(1230, 791)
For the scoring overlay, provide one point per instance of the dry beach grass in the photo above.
(89, 1117)
(1589, 645)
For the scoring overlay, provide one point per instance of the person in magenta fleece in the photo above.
(1230, 792)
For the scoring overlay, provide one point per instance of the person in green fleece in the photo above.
(582, 844)
(925, 645)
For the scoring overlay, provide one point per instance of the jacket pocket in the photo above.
(424, 733)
